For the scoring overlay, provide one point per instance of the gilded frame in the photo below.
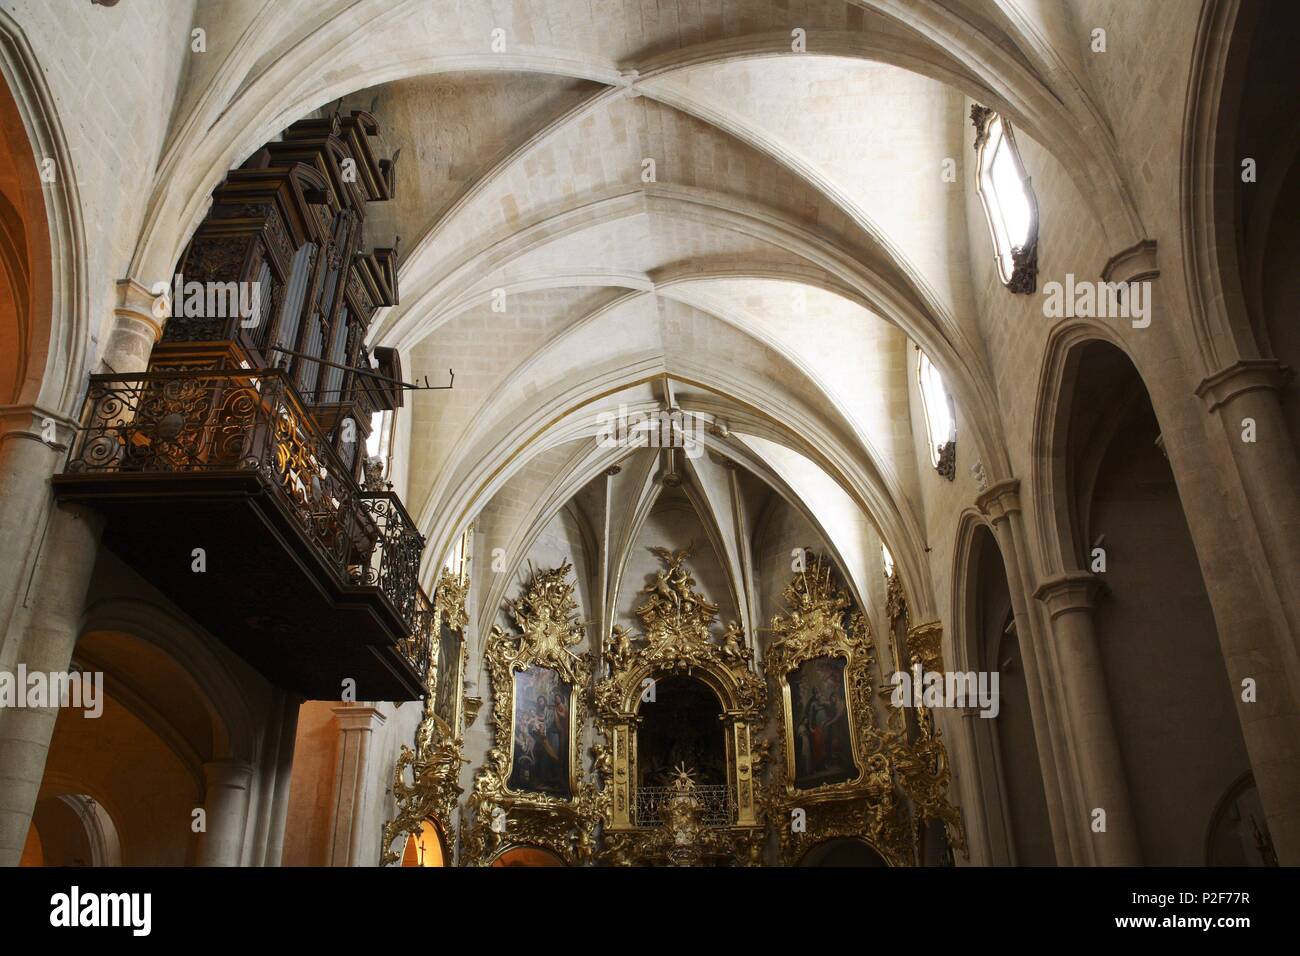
(822, 791)
(435, 761)
(449, 612)
(503, 816)
(676, 621)
(822, 622)
(574, 756)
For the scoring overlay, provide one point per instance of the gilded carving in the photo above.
(676, 640)
(437, 757)
(538, 715)
(831, 787)
(922, 764)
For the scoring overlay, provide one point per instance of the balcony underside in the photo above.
(265, 592)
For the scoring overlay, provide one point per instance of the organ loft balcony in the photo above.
(230, 471)
(220, 488)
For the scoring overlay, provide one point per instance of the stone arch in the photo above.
(874, 277)
(72, 829)
(564, 419)
(1210, 166)
(54, 316)
(221, 694)
(853, 851)
(1059, 546)
(1161, 662)
(1004, 751)
(287, 89)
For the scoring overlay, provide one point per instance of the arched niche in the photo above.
(842, 852)
(678, 653)
(1007, 744)
(1237, 834)
(526, 856)
(427, 848)
(680, 726)
(71, 830)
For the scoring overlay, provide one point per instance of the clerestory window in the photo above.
(1008, 199)
(940, 417)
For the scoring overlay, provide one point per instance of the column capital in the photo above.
(1248, 375)
(358, 717)
(227, 772)
(37, 423)
(1071, 591)
(1000, 499)
(137, 327)
(137, 301)
(1134, 264)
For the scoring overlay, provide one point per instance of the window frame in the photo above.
(1017, 266)
(944, 464)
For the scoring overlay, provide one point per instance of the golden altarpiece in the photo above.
(682, 822)
(847, 771)
(851, 766)
(531, 791)
(435, 761)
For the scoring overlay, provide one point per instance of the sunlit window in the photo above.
(940, 420)
(458, 560)
(379, 442)
(887, 560)
(1009, 203)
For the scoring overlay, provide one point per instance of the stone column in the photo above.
(136, 329)
(1267, 466)
(42, 636)
(283, 776)
(275, 774)
(989, 831)
(225, 802)
(1000, 503)
(33, 445)
(357, 723)
(1267, 474)
(1069, 598)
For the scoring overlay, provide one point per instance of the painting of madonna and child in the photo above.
(541, 733)
(823, 749)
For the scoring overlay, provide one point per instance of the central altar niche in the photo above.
(679, 709)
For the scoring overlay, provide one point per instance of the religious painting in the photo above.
(823, 745)
(447, 695)
(542, 731)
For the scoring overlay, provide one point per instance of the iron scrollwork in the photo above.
(226, 423)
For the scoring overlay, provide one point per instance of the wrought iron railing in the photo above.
(718, 801)
(418, 646)
(252, 421)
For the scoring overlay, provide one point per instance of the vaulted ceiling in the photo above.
(744, 210)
